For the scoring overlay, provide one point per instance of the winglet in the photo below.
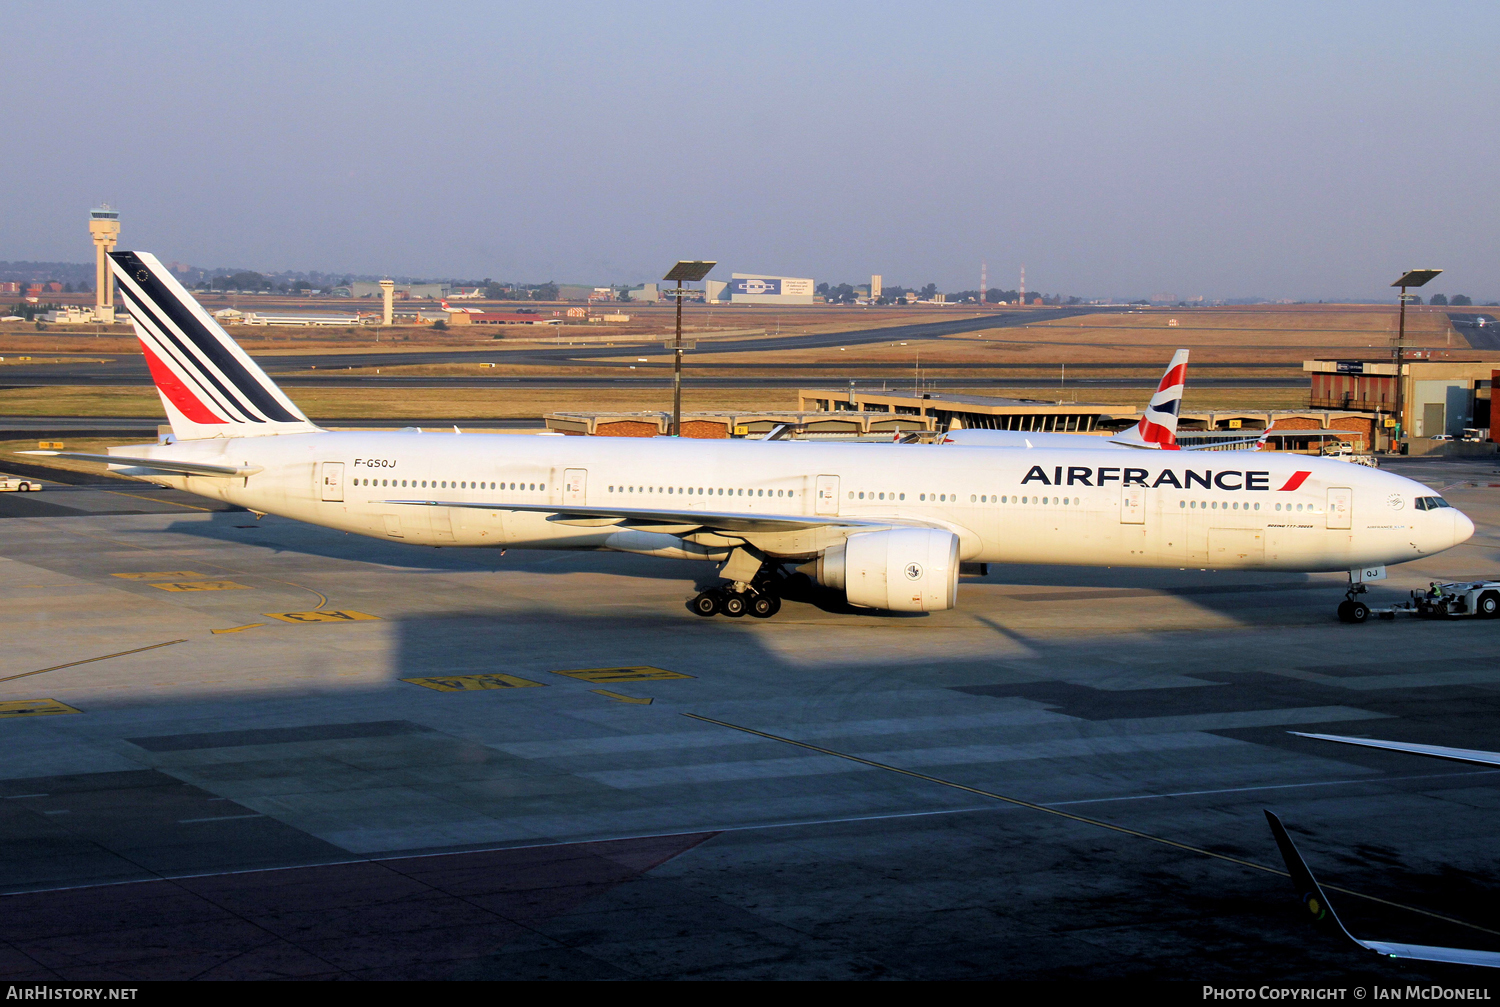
(1307, 886)
(1324, 917)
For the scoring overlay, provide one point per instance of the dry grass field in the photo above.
(327, 404)
(1270, 340)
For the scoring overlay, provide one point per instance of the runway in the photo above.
(277, 750)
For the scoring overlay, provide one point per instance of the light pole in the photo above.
(686, 271)
(1410, 278)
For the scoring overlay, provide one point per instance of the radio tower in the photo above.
(984, 281)
(1023, 284)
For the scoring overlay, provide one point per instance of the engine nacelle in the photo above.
(900, 570)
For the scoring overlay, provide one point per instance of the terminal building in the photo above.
(828, 414)
(1439, 396)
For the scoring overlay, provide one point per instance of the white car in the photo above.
(1442, 437)
(10, 484)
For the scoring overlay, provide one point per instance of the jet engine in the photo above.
(900, 570)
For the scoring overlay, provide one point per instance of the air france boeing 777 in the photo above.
(886, 525)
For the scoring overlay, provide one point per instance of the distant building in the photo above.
(303, 320)
(404, 291)
(1438, 396)
(69, 316)
(503, 318)
(646, 293)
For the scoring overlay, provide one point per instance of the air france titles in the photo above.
(1104, 475)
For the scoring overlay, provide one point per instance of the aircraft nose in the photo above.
(1463, 527)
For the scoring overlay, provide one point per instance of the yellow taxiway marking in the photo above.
(174, 503)
(88, 660)
(203, 585)
(238, 629)
(643, 700)
(34, 708)
(163, 575)
(324, 615)
(469, 683)
(636, 673)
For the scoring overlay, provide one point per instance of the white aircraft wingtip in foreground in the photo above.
(886, 525)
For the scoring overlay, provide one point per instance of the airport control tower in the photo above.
(104, 226)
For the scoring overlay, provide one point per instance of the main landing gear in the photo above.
(759, 599)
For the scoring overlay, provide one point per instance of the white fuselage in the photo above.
(1103, 506)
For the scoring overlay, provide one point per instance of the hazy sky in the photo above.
(1306, 150)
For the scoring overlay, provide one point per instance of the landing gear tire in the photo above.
(733, 605)
(1355, 612)
(706, 604)
(1344, 611)
(763, 606)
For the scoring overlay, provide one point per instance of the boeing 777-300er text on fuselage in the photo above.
(887, 525)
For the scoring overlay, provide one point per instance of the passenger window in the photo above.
(922, 496)
(972, 498)
(903, 496)
(1182, 503)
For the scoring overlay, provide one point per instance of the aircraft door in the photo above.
(333, 482)
(575, 487)
(828, 495)
(1132, 505)
(1340, 507)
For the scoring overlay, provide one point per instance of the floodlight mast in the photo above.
(1410, 278)
(686, 271)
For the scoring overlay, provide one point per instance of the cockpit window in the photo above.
(1432, 503)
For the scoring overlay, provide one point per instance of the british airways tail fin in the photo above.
(208, 385)
(1158, 426)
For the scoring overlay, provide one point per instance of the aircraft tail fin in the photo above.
(1158, 427)
(209, 386)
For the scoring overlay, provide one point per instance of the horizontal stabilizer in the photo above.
(157, 464)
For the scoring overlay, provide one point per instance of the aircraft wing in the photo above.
(1323, 916)
(1474, 755)
(640, 517)
(155, 464)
